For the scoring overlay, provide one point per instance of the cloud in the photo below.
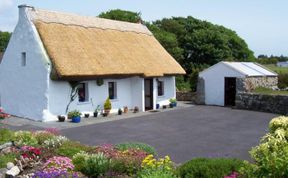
(5, 5)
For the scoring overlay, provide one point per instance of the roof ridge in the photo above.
(66, 18)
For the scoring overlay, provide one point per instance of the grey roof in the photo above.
(250, 68)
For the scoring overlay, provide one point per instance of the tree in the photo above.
(122, 15)
(4, 39)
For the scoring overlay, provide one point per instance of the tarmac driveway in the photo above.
(198, 131)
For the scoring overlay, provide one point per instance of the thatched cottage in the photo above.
(50, 52)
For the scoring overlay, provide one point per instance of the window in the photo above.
(112, 89)
(23, 59)
(160, 85)
(83, 92)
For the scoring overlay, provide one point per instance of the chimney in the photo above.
(23, 8)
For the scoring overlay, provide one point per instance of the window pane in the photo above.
(112, 90)
(23, 59)
(160, 86)
(82, 92)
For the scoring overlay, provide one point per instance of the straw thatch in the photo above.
(88, 47)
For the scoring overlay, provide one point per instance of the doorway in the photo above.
(148, 85)
(230, 91)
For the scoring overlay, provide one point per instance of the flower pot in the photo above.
(120, 112)
(95, 114)
(171, 105)
(76, 119)
(125, 109)
(106, 112)
(175, 104)
(86, 115)
(157, 106)
(61, 118)
(164, 106)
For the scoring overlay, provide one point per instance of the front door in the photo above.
(230, 91)
(148, 94)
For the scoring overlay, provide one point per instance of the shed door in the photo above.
(230, 91)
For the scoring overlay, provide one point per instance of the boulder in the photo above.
(14, 171)
(10, 165)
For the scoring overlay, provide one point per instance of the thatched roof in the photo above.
(89, 47)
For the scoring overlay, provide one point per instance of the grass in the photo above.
(269, 91)
(4, 159)
(279, 70)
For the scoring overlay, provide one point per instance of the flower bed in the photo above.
(46, 154)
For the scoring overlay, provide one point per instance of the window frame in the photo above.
(113, 93)
(160, 91)
(86, 92)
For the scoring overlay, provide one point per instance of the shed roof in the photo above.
(89, 47)
(249, 69)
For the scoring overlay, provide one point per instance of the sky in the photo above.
(263, 24)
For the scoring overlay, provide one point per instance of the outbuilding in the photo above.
(219, 84)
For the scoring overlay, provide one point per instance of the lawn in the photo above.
(282, 70)
(269, 91)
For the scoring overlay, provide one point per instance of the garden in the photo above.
(47, 154)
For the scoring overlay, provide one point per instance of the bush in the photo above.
(107, 104)
(206, 168)
(25, 138)
(158, 173)
(283, 80)
(135, 145)
(74, 113)
(55, 141)
(59, 164)
(69, 149)
(5, 158)
(271, 156)
(42, 136)
(94, 165)
(6, 135)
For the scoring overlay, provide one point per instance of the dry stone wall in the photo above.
(250, 83)
(259, 102)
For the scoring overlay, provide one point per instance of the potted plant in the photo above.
(120, 111)
(75, 116)
(107, 107)
(96, 111)
(157, 106)
(61, 118)
(126, 109)
(173, 102)
(136, 109)
(86, 115)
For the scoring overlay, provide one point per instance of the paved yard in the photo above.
(199, 131)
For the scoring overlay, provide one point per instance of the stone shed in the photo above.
(219, 84)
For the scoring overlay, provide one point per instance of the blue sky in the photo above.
(262, 23)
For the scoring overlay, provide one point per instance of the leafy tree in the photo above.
(122, 15)
(4, 39)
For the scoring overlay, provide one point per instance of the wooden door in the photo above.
(230, 91)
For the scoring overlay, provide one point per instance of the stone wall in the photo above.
(250, 83)
(185, 96)
(259, 102)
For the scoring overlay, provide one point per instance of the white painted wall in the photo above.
(23, 89)
(214, 78)
(169, 91)
(130, 92)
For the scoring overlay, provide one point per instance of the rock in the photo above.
(14, 171)
(3, 172)
(6, 150)
(10, 165)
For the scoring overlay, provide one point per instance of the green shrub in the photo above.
(156, 173)
(25, 138)
(283, 80)
(5, 158)
(70, 148)
(207, 168)
(6, 135)
(79, 160)
(107, 104)
(271, 155)
(136, 145)
(95, 165)
(74, 113)
(42, 136)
